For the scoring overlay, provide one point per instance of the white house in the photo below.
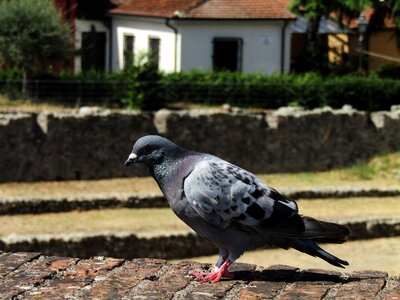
(91, 38)
(241, 35)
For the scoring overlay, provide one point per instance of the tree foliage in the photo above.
(315, 10)
(32, 35)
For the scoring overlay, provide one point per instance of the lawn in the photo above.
(141, 221)
(7, 105)
(380, 172)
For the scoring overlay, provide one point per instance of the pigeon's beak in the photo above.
(131, 159)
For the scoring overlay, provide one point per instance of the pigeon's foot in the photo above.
(215, 275)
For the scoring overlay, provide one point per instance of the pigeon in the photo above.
(230, 207)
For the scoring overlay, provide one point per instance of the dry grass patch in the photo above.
(140, 221)
(21, 105)
(163, 221)
(78, 188)
(350, 207)
(381, 172)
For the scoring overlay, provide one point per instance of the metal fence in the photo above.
(106, 91)
(63, 90)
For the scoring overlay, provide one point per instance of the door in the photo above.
(93, 51)
(227, 54)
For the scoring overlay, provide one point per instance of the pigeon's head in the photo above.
(151, 150)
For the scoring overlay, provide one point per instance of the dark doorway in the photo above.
(227, 54)
(93, 51)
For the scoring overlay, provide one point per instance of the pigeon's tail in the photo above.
(309, 247)
(324, 232)
(302, 233)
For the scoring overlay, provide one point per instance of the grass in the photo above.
(350, 207)
(142, 220)
(96, 221)
(380, 172)
(106, 187)
(27, 105)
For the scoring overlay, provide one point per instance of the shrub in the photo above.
(389, 71)
(143, 87)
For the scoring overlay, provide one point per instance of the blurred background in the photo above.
(302, 93)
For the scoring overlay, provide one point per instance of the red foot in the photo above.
(215, 275)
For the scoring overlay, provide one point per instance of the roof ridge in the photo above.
(192, 7)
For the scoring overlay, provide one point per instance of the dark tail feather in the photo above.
(302, 233)
(309, 247)
(324, 232)
(302, 227)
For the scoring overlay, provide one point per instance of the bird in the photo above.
(231, 207)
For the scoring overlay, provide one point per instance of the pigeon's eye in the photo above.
(147, 150)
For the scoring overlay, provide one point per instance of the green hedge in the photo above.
(308, 90)
(143, 87)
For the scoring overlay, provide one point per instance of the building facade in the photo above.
(207, 36)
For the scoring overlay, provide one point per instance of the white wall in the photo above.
(142, 29)
(261, 43)
(87, 26)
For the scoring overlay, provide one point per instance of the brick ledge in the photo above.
(27, 275)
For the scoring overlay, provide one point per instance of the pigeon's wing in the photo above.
(224, 194)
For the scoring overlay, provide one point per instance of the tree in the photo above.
(382, 10)
(32, 36)
(314, 11)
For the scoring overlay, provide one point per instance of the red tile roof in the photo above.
(388, 22)
(206, 9)
(153, 8)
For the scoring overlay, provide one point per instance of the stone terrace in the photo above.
(34, 276)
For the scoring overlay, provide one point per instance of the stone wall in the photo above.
(94, 143)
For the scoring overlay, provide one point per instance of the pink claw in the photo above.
(215, 275)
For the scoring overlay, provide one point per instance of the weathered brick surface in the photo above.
(362, 285)
(262, 290)
(89, 269)
(173, 280)
(124, 279)
(34, 276)
(394, 293)
(11, 261)
(29, 275)
(75, 278)
(306, 290)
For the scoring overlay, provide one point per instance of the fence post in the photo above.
(78, 101)
(36, 90)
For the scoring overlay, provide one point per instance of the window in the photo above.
(93, 51)
(227, 54)
(154, 51)
(129, 43)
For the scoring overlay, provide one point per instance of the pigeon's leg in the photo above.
(219, 270)
(223, 255)
(217, 273)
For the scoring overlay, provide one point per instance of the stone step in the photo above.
(179, 244)
(16, 205)
(36, 276)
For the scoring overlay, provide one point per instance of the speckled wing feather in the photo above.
(222, 193)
